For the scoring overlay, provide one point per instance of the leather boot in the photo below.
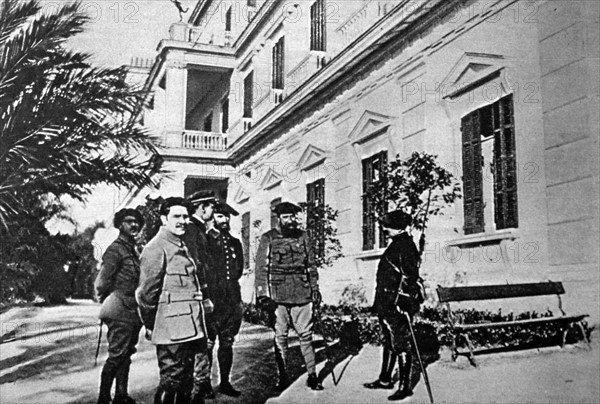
(202, 390)
(404, 388)
(281, 369)
(313, 382)
(388, 362)
(225, 357)
(106, 380)
(122, 384)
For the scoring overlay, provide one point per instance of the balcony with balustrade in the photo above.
(193, 144)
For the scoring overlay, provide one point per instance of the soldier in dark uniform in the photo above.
(115, 288)
(201, 214)
(169, 299)
(287, 284)
(396, 293)
(227, 264)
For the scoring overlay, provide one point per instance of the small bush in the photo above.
(432, 322)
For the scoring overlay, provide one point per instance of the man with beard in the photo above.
(396, 293)
(227, 264)
(169, 299)
(287, 284)
(115, 288)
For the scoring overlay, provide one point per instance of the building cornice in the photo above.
(389, 33)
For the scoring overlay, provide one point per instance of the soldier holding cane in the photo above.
(397, 299)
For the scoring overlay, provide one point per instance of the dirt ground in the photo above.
(47, 357)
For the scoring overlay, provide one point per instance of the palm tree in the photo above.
(65, 126)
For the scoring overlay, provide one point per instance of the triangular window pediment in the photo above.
(272, 179)
(471, 70)
(311, 156)
(370, 124)
(241, 196)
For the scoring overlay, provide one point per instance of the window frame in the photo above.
(318, 26)
(315, 197)
(372, 235)
(493, 120)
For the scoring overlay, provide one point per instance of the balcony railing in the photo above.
(355, 25)
(203, 140)
(306, 68)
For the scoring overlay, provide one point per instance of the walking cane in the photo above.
(425, 377)
(98, 345)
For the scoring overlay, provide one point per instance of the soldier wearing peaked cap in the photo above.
(227, 265)
(201, 207)
(396, 293)
(287, 284)
(115, 288)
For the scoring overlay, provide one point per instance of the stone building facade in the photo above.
(265, 101)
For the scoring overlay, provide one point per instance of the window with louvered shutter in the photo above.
(505, 165)
(246, 238)
(318, 26)
(248, 94)
(315, 198)
(495, 120)
(372, 169)
(278, 63)
(472, 174)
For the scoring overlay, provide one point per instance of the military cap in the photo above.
(396, 219)
(206, 195)
(224, 209)
(120, 215)
(173, 201)
(284, 208)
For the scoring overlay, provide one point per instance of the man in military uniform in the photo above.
(169, 299)
(287, 283)
(201, 205)
(115, 288)
(227, 264)
(396, 293)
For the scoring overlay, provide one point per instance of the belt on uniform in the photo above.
(168, 297)
(292, 270)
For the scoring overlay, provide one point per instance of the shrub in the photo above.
(431, 327)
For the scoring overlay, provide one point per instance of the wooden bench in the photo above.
(504, 291)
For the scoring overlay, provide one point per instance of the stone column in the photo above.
(175, 102)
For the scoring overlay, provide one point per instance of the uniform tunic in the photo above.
(168, 291)
(400, 261)
(285, 268)
(169, 300)
(115, 287)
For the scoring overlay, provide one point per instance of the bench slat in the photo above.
(541, 320)
(488, 292)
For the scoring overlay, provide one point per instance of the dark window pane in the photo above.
(248, 94)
